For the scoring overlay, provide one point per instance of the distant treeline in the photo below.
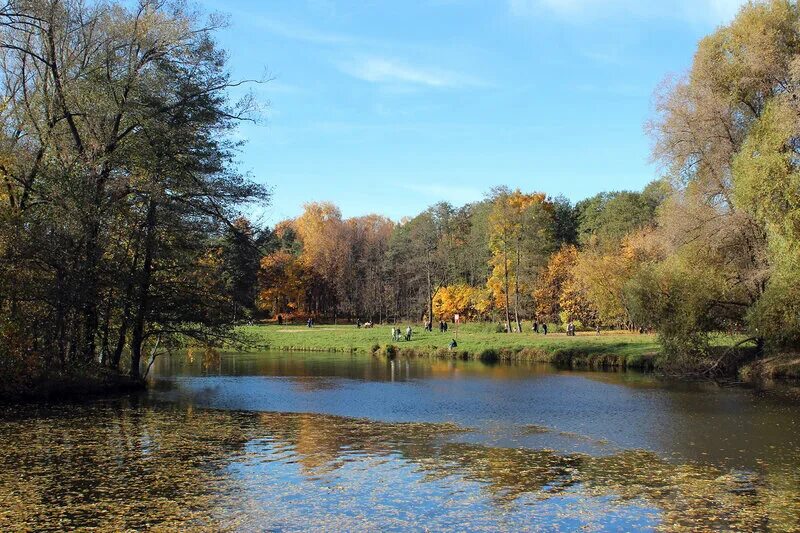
(513, 257)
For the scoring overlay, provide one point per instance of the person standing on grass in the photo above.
(280, 320)
(408, 333)
(544, 329)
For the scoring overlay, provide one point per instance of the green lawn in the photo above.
(474, 341)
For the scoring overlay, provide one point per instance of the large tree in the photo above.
(115, 118)
(727, 132)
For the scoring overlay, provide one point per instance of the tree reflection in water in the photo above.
(119, 465)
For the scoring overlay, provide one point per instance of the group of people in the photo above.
(397, 335)
(442, 326)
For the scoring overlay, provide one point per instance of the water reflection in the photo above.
(589, 412)
(121, 465)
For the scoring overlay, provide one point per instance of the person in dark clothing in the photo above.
(280, 320)
(445, 327)
(544, 329)
(535, 326)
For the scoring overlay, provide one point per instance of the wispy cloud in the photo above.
(393, 72)
(299, 32)
(707, 11)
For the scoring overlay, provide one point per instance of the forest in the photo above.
(122, 228)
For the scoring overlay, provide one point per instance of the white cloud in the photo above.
(389, 71)
(703, 11)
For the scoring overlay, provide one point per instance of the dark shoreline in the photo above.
(73, 386)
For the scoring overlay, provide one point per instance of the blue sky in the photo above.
(391, 106)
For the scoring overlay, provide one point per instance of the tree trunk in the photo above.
(137, 336)
(430, 294)
(516, 294)
(505, 274)
(126, 314)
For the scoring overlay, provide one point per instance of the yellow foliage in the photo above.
(460, 299)
(602, 276)
(283, 282)
(508, 228)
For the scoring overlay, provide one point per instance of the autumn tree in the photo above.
(559, 296)
(283, 283)
(520, 240)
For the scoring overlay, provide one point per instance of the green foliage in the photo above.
(776, 315)
(766, 177)
(608, 217)
(678, 300)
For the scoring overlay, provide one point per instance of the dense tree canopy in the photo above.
(118, 188)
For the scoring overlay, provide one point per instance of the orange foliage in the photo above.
(283, 280)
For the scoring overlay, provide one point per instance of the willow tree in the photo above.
(728, 133)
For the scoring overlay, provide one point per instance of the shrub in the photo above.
(390, 350)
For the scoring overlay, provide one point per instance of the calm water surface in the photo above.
(333, 442)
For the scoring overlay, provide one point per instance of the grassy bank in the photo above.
(475, 341)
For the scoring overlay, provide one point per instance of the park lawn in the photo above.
(475, 341)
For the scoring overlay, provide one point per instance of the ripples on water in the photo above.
(147, 462)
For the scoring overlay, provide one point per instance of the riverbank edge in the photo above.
(776, 367)
(576, 358)
(79, 384)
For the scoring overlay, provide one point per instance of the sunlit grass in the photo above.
(473, 340)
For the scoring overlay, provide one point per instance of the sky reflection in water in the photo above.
(330, 442)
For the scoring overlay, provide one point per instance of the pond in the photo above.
(339, 442)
